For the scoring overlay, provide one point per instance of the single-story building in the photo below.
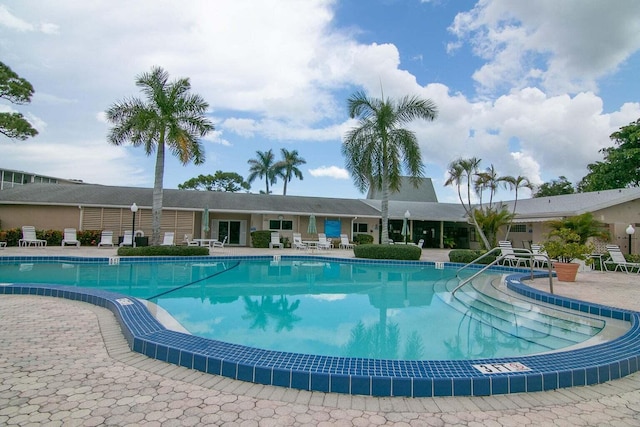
(235, 215)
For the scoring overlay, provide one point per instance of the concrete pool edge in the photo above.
(145, 335)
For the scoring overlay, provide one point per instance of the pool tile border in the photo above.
(425, 378)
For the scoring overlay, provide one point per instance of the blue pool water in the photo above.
(333, 308)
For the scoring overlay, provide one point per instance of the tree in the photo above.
(169, 116)
(288, 167)
(263, 166)
(229, 182)
(16, 90)
(555, 187)
(620, 166)
(514, 184)
(379, 149)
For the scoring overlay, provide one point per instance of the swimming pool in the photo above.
(358, 375)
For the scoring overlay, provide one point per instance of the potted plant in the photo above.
(564, 246)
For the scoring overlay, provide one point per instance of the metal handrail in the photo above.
(524, 253)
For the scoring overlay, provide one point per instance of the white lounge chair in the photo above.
(106, 239)
(617, 257)
(344, 242)
(540, 258)
(217, 244)
(127, 240)
(70, 238)
(29, 237)
(509, 255)
(168, 239)
(297, 241)
(323, 242)
(275, 241)
(420, 243)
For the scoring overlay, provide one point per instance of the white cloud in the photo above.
(330, 171)
(11, 21)
(562, 46)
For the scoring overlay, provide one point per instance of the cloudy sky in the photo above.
(534, 88)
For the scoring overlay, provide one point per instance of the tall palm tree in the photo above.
(515, 183)
(263, 166)
(168, 116)
(378, 149)
(288, 167)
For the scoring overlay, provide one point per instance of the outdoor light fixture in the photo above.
(134, 209)
(630, 230)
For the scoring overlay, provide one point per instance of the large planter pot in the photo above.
(566, 271)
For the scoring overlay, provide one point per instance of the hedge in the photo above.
(465, 256)
(399, 252)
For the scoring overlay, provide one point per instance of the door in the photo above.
(234, 231)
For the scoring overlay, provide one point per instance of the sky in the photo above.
(533, 88)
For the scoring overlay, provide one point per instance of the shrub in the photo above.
(13, 235)
(465, 256)
(89, 237)
(53, 237)
(362, 239)
(260, 238)
(401, 252)
(163, 251)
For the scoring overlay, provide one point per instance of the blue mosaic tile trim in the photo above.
(144, 334)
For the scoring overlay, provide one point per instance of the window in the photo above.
(280, 224)
(519, 228)
(360, 227)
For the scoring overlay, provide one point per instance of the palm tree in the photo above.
(378, 150)
(515, 183)
(168, 116)
(263, 166)
(288, 167)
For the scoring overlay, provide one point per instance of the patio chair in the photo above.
(217, 244)
(540, 258)
(297, 241)
(344, 242)
(420, 243)
(188, 240)
(275, 241)
(106, 239)
(509, 255)
(127, 240)
(168, 239)
(70, 238)
(617, 258)
(29, 237)
(323, 242)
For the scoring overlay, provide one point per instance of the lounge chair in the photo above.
(420, 243)
(127, 240)
(217, 244)
(275, 241)
(323, 242)
(188, 240)
(297, 241)
(509, 255)
(70, 238)
(616, 257)
(344, 242)
(29, 237)
(168, 239)
(106, 239)
(540, 257)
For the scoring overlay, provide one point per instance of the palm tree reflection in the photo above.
(260, 311)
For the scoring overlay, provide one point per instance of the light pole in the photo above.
(630, 230)
(134, 209)
(407, 215)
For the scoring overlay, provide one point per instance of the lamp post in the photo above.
(630, 230)
(134, 209)
(407, 215)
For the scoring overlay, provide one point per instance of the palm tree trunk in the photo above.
(385, 211)
(156, 209)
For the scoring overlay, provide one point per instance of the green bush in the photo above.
(260, 238)
(401, 252)
(362, 239)
(465, 256)
(163, 251)
(89, 237)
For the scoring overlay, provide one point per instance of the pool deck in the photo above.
(67, 363)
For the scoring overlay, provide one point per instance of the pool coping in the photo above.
(424, 378)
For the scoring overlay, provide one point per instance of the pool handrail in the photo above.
(525, 253)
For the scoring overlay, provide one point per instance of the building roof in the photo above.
(408, 193)
(423, 211)
(99, 195)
